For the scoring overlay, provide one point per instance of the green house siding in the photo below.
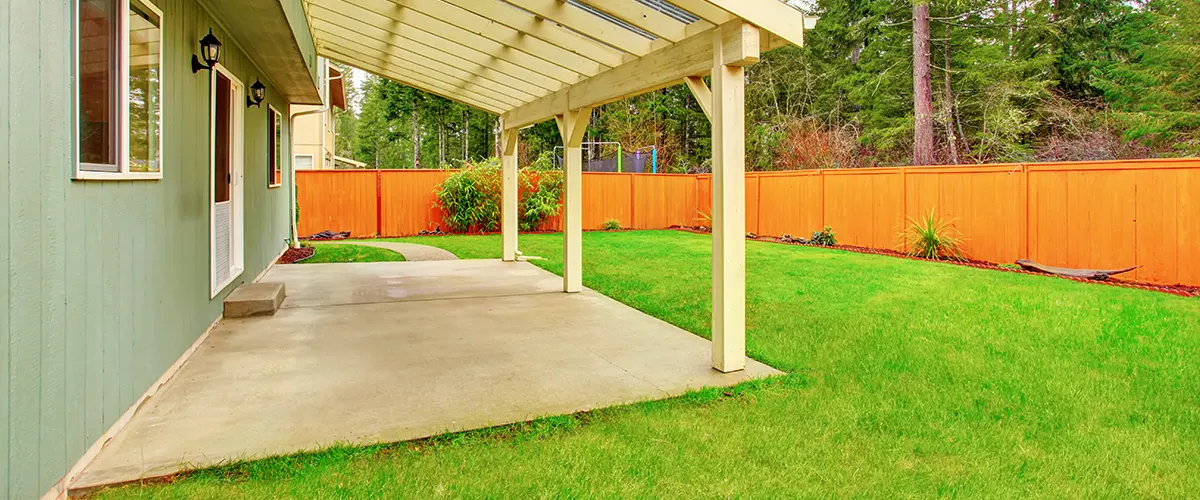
(106, 283)
(299, 22)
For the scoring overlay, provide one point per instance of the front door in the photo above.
(226, 178)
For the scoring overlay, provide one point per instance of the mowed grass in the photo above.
(335, 252)
(906, 379)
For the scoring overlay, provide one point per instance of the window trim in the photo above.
(278, 156)
(122, 173)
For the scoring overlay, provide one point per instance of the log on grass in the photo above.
(1090, 274)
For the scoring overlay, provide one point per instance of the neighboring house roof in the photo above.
(356, 163)
(337, 89)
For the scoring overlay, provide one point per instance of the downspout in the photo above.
(329, 109)
(292, 136)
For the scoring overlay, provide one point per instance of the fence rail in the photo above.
(1079, 214)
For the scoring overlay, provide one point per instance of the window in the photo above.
(119, 89)
(275, 148)
(222, 138)
(303, 162)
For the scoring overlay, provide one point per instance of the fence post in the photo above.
(1025, 193)
(378, 202)
(903, 206)
(821, 174)
(632, 202)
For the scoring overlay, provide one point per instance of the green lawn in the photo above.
(333, 252)
(906, 379)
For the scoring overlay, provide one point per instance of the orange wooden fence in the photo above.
(1086, 214)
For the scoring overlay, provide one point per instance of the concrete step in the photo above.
(254, 299)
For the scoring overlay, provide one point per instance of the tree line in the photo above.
(880, 83)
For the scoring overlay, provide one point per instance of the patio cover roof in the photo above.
(529, 60)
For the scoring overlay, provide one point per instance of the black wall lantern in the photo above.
(210, 50)
(258, 92)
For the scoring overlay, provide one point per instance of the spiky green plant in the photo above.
(931, 237)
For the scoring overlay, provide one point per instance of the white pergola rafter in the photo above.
(529, 61)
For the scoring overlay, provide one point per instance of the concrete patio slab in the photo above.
(383, 352)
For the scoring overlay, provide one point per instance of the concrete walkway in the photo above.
(412, 252)
(392, 351)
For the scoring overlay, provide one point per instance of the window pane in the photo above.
(99, 95)
(278, 148)
(145, 89)
(222, 146)
(271, 147)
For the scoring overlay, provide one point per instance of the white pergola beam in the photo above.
(405, 76)
(588, 24)
(771, 15)
(549, 32)
(704, 10)
(702, 94)
(644, 18)
(468, 19)
(418, 42)
(509, 217)
(662, 68)
(729, 194)
(572, 125)
(400, 56)
(391, 63)
(409, 18)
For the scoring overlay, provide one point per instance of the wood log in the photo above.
(1091, 274)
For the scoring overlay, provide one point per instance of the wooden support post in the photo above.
(734, 46)
(572, 126)
(508, 204)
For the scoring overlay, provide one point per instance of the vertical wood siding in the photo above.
(105, 284)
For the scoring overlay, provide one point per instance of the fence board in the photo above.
(790, 204)
(1082, 214)
(667, 200)
(408, 204)
(343, 200)
(1188, 223)
(607, 196)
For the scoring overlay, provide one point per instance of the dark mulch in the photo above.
(1177, 289)
(294, 255)
(329, 235)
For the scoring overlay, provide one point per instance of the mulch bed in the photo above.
(328, 235)
(1180, 290)
(294, 255)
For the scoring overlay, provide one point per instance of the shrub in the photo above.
(933, 238)
(824, 237)
(805, 143)
(612, 225)
(540, 198)
(471, 197)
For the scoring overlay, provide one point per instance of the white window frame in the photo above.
(123, 173)
(279, 153)
(311, 157)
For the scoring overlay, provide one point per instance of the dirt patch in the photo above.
(294, 255)
(1180, 290)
